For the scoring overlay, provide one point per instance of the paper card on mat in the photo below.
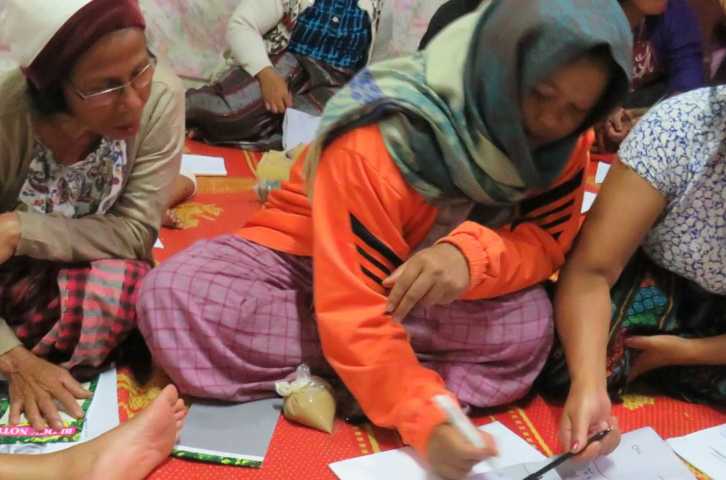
(204, 166)
(403, 463)
(158, 243)
(705, 450)
(298, 128)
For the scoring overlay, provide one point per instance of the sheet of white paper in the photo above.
(602, 172)
(642, 454)
(587, 201)
(298, 127)
(101, 417)
(103, 412)
(404, 464)
(705, 450)
(158, 243)
(204, 166)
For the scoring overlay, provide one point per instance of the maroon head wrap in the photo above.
(78, 34)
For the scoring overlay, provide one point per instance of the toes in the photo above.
(170, 394)
(179, 406)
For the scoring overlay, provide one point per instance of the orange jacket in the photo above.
(365, 221)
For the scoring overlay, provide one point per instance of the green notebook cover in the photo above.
(179, 452)
(24, 433)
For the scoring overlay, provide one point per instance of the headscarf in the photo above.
(46, 37)
(451, 115)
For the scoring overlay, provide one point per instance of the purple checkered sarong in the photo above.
(226, 318)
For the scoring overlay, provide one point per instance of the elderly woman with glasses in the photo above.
(91, 135)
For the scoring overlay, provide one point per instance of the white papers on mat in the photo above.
(204, 165)
(101, 417)
(602, 172)
(158, 244)
(587, 201)
(705, 450)
(642, 455)
(403, 463)
(103, 412)
(298, 128)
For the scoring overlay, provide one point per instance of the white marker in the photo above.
(458, 420)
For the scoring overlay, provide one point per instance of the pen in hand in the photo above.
(566, 456)
(459, 421)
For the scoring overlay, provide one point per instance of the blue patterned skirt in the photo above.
(650, 300)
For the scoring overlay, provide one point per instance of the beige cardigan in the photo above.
(129, 229)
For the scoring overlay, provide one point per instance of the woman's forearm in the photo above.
(706, 351)
(582, 316)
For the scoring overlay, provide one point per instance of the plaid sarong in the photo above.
(71, 314)
(226, 318)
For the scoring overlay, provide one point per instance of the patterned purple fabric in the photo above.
(227, 318)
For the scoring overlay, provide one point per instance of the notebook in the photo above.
(229, 434)
(24, 433)
(100, 415)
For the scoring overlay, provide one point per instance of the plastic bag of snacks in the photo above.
(308, 400)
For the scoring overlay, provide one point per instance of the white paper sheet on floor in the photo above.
(298, 128)
(705, 450)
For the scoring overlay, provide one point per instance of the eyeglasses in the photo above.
(106, 97)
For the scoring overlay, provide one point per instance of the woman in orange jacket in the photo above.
(404, 254)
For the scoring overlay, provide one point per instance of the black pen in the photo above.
(566, 456)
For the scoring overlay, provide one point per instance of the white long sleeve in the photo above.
(251, 20)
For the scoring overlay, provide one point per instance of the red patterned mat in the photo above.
(222, 205)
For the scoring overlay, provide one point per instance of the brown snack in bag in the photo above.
(308, 400)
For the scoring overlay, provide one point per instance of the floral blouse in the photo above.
(679, 147)
(88, 187)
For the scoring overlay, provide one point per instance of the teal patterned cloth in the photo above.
(650, 300)
(450, 115)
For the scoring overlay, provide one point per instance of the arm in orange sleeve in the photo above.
(359, 209)
(529, 251)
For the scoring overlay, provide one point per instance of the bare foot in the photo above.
(133, 449)
(171, 219)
